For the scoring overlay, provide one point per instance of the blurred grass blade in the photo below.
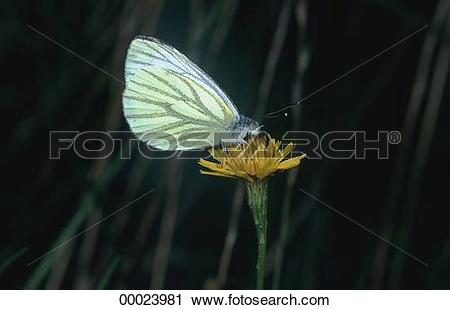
(272, 59)
(297, 90)
(108, 273)
(231, 236)
(43, 268)
(398, 175)
(421, 156)
(12, 259)
(168, 223)
(221, 31)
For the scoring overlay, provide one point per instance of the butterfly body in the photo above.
(170, 103)
(245, 126)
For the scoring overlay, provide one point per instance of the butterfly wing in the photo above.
(167, 96)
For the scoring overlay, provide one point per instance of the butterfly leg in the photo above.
(241, 140)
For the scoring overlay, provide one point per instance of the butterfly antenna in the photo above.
(259, 127)
(276, 114)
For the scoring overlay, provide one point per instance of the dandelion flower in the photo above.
(253, 162)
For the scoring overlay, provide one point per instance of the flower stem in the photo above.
(257, 200)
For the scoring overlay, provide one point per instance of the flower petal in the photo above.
(290, 163)
(209, 164)
(218, 174)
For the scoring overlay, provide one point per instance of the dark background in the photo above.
(262, 53)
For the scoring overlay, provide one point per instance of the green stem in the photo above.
(257, 200)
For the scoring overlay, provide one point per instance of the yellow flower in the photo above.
(256, 160)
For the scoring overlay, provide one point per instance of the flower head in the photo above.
(255, 160)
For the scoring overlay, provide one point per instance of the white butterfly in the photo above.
(171, 104)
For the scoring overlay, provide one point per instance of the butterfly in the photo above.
(172, 104)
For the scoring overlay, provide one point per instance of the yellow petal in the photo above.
(218, 174)
(209, 164)
(291, 162)
(288, 148)
(218, 154)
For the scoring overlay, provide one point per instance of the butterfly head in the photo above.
(247, 127)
